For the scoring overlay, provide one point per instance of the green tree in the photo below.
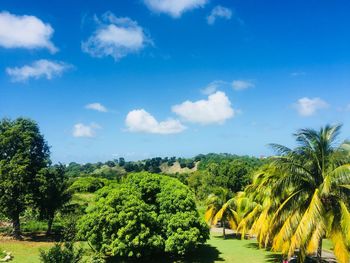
(146, 214)
(314, 180)
(23, 153)
(231, 211)
(52, 192)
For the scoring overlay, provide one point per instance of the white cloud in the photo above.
(82, 130)
(242, 84)
(216, 109)
(307, 107)
(25, 32)
(174, 8)
(219, 12)
(142, 121)
(96, 106)
(38, 69)
(116, 37)
(212, 87)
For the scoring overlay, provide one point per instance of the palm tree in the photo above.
(232, 211)
(311, 184)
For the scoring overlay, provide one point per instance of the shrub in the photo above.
(62, 253)
(88, 184)
(144, 215)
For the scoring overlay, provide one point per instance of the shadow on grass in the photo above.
(41, 237)
(203, 254)
(272, 257)
(229, 236)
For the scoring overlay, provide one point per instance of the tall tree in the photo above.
(23, 153)
(51, 192)
(315, 179)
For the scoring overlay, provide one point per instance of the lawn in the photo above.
(24, 251)
(240, 251)
(216, 250)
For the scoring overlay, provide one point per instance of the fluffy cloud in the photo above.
(216, 109)
(115, 37)
(82, 130)
(242, 84)
(38, 69)
(219, 12)
(142, 121)
(25, 32)
(174, 8)
(96, 106)
(307, 107)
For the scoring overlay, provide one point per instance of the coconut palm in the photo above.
(232, 211)
(314, 182)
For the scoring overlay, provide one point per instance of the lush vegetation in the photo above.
(301, 196)
(291, 203)
(146, 214)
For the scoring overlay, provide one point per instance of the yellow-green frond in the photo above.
(340, 250)
(312, 216)
(209, 214)
(345, 222)
(286, 232)
(316, 236)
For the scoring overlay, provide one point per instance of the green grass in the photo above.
(216, 250)
(238, 251)
(24, 251)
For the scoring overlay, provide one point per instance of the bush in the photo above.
(62, 253)
(88, 184)
(145, 215)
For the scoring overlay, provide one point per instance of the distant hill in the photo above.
(176, 168)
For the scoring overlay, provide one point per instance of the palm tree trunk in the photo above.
(16, 227)
(49, 226)
(223, 229)
(319, 250)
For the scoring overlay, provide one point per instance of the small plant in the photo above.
(62, 253)
(5, 256)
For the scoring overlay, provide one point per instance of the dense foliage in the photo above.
(23, 153)
(146, 214)
(62, 253)
(88, 184)
(51, 192)
(219, 173)
(304, 196)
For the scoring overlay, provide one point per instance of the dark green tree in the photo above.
(51, 192)
(23, 153)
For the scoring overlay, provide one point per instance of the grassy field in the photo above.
(216, 250)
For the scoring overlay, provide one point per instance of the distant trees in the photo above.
(23, 153)
(88, 184)
(146, 214)
(232, 174)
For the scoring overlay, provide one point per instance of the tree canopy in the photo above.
(146, 214)
(23, 153)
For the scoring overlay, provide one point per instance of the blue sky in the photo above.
(144, 78)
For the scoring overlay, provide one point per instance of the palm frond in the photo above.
(341, 251)
(313, 216)
(345, 222)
